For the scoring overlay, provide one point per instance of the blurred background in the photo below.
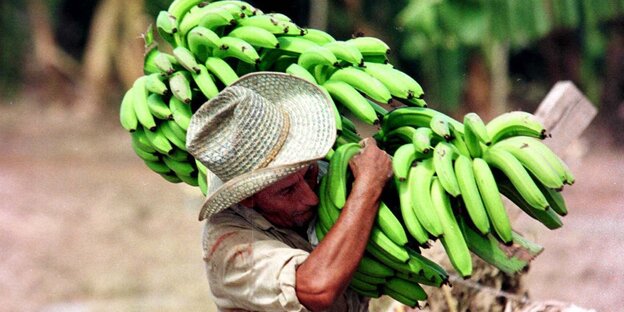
(85, 226)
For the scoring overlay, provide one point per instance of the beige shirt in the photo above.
(251, 264)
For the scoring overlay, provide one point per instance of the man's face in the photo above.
(290, 202)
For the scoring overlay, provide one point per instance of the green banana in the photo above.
(318, 36)
(407, 212)
(414, 117)
(202, 182)
(398, 83)
(181, 112)
(166, 22)
(514, 124)
(420, 190)
(372, 267)
(338, 173)
(374, 280)
(536, 163)
(158, 141)
(188, 179)
(141, 108)
(351, 99)
(243, 6)
(297, 70)
(403, 159)
(475, 133)
(452, 239)
(204, 81)
(182, 169)
(296, 45)
(360, 284)
(279, 16)
(470, 193)
(370, 46)
(127, 116)
(186, 58)
(404, 134)
(440, 125)
(178, 8)
(141, 142)
(406, 288)
(390, 225)
(555, 200)
(178, 154)
(364, 82)
(171, 177)
(157, 166)
(317, 56)
(477, 126)
(266, 22)
(158, 107)
(144, 155)
(172, 137)
(422, 140)
(458, 141)
(538, 147)
(400, 297)
(384, 244)
(237, 48)
(547, 217)
(165, 63)
(443, 163)
(345, 52)
(213, 19)
(154, 83)
(337, 116)
(202, 41)
(492, 200)
(255, 36)
(180, 86)
(515, 171)
(177, 130)
(222, 70)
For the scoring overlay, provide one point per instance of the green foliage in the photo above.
(438, 35)
(12, 56)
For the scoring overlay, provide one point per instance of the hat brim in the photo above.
(311, 135)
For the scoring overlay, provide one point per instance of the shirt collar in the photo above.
(252, 216)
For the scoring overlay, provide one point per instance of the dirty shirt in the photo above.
(251, 264)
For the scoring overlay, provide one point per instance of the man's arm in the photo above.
(327, 271)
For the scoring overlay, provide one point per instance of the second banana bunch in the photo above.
(449, 181)
(448, 175)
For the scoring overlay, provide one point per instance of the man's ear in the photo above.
(247, 202)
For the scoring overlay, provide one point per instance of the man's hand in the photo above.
(371, 165)
(326, 273)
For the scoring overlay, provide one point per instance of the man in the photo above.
(261, 138)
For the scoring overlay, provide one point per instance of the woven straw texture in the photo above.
(236, 132)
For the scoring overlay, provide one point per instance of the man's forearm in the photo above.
(330, 266)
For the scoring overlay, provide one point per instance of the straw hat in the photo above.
(258, 130)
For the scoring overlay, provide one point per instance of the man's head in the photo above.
(257, 131)
(289, 202)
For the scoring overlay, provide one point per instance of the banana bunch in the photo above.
(214, 43)
(390, 266)
(450, 176)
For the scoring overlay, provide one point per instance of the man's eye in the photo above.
(287, 190)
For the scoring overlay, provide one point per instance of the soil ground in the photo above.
(85, 226)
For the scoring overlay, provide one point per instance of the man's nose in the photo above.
(308, 197)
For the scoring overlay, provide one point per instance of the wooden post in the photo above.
(566, 113)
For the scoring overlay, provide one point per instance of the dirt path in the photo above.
(85, 226)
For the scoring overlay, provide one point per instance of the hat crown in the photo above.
(238, 132)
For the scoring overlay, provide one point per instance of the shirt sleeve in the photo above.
(249, 270)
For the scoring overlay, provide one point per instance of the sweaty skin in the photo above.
(291, 203)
